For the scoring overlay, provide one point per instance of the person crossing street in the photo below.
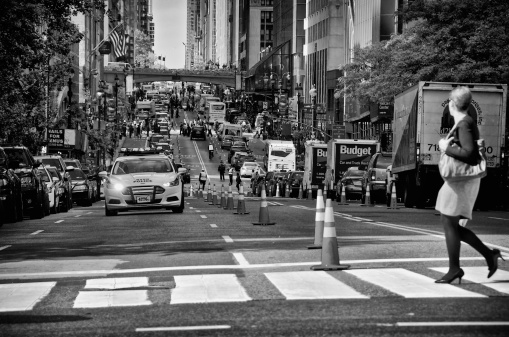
(231, 171)
(221, 170)
(202, 178)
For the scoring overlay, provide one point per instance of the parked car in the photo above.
(226, 142)
(74, 163)
(242, 159)
(237, 147)
(10, 191)
(271, 178)
(198, 131)
(247, 168)
(351, 182)
(155, 138)
(81, 188)
(58, 185)
(58, 162)
(375, 177)
(32, 188)
(292, 180)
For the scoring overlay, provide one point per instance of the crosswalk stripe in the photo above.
(479, 275)
(23, 296)
(115, 298)
(208, 288)
(409, 284)
(117, 283)
(308, 285)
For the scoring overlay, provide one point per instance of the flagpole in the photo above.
(107, 37)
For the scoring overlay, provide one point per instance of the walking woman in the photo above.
(456, 200)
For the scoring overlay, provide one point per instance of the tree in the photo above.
(144, 56)
(451, 41)
(37, 36)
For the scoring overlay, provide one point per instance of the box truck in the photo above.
(315, 165)
(279, 155)
(345, 153)
(421, 118)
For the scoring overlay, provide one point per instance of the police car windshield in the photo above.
(139, 165)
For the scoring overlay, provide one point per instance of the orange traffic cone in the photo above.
(277, 191)
(319, 219)
(394, 199)
(301, 192)
(241, 203)
(342, 200)
(229, 201)
(200, 192)
(269, 190)
(263, 218)
(223, 198)
(288, 188)
(325, 195)
(367, 198)
(191, 193)
(214, 196)
(330, 254)
(310, 193)
(205, 194)
(209, 194)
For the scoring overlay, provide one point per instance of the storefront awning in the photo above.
(364, 117)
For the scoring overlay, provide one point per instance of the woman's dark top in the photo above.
(465, 137)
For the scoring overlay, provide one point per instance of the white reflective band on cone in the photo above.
(264, 204)
(329, 232)
(320, 215)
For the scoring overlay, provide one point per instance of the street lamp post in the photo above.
(312, 93)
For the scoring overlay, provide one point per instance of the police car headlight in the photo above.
(118, 186)
(175, 182)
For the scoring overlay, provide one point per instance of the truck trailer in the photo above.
(422, 118)
(315, 165)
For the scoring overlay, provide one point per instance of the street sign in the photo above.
(338, 131)
(105, 48)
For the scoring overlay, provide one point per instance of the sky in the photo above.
(170, 31)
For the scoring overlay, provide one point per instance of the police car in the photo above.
(143, 180)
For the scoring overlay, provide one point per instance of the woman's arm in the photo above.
(466, 149)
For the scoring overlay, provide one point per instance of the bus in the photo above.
(279, 156)
(216, 111)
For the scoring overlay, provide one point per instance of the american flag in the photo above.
(118, 40)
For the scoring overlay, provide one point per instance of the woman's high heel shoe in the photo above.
(458, 275)
(495, 255)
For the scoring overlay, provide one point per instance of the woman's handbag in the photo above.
(452, 169)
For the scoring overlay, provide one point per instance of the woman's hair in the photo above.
(461, 96)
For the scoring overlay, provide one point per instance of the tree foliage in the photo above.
(448, 41)
(144, 56)
(35, 42)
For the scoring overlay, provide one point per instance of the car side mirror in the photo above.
(69, 168)
(103, 174)
(182, 170)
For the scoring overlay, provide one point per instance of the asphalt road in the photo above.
(208, 272)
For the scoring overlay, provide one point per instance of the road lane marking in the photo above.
(59, 221)
(441, 324)
(77, 216)
(197, 211)
(200, 159)
(5, 247)
(115, 298)
(37, 232)
(90, 212)
(216, 267)
(492, 217)
(479, 275)
(240, 259)
(213, 225)
(117, 283)
(184, 328)
(302, 285)
(409, 284)
(227, 238)
(203, 216)
(208, 288)
(191, 207)
(23, 296)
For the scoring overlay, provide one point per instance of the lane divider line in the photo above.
(441, 324)
(184, 328)
(90, 213)
(227, 238)
(240, 259)
(5, 247)
(213, 225)
(197, 211)
(37, 232)
(203, 216)
(77, 216)
(492, 217)
(59, 221)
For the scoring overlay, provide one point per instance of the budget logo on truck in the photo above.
(353, 155)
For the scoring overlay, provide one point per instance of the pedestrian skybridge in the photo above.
(224, 77)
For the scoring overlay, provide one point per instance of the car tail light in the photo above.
(373, 175)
